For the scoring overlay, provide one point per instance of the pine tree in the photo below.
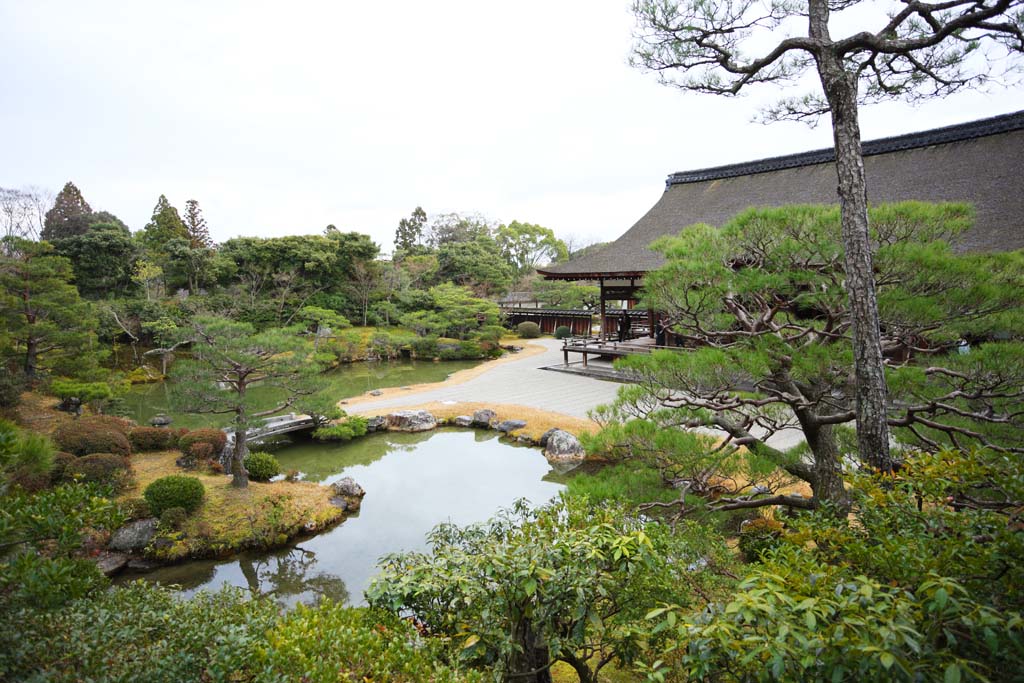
(195, 225)
(70, 215)
(410, 230)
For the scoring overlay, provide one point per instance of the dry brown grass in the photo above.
(230, 519)
(38, 413)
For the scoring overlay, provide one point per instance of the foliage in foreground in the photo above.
(566, 582)
(146, 634)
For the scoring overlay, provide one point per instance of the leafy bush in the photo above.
(262, 466)
(99, 468)
(214, 437)
(562, 331)
(201, 451)
(461, 350)
(153, 439)
(759, 535)
(135, 508)
(86, 435)
(175, 490)
(425, 347)
(173, 518)
(350, 428)
(528, 330)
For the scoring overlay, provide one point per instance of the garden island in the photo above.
(773, 432)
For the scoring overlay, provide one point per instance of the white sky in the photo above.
(282, 117)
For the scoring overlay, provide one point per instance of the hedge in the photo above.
(98, 468)
(153, 438)
(214, 437)
(88, 435)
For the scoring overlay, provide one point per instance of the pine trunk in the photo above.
(827, 481)
(239, 475)
(840, 89)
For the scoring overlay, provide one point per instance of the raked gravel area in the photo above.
(522, 381)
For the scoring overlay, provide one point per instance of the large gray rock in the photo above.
(348, 495)
(561, 445)
(411, 421)
(543, 442)
(160, 420)
(463, 421)
(111, 563)
(482, 418)
(507, 426)
(377, 423)
(134, 536)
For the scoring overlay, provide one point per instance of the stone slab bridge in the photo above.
(271, 426)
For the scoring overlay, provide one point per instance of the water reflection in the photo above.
(413, 482)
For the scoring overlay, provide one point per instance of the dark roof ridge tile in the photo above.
(960, 131)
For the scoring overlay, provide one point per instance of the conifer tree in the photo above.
(195, 226)
(70, 215)
(410, 230)
(164, 226)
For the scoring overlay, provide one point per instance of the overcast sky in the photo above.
(283, 117)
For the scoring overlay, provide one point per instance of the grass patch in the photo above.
(263, 515)
(620, 483)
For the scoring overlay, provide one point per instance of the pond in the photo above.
(412, 482)
(143, 401)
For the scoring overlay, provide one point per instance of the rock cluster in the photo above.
(348, 495)
(411, 421)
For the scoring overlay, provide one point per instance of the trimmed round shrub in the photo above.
(214, 437)
(153, 439)
(122, 425)
(528, 330)
(86, 436)
(262, 466)
(173, 491)
(98, 468)
(201, 451)
(60, 464)
(759, 535)
(173, 518)
(562, 331)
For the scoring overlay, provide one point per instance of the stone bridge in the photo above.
(272, 426)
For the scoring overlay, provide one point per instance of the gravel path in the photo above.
(518, 381)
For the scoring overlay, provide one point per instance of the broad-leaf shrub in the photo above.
(562, 331)
(174, 491)
(90, 435)
(145, 439)
(759, 535)
(99, 468)
(528, 330)
(214, 437)
(262, 466)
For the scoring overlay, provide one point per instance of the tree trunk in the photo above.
(840, 89)
(239, 475)
(827, 481)
(530, 665)
(31, 358)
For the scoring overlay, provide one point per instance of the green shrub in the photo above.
(425, 347)
(153, 439)
(172, 519)
(83, 438)
(214, 437)
(23, 452)
(350, 428)
(175, 490)
(467, 350)
(61, 461)
(759, 535)
(201, 451)
(562, 331)
(262, 466)
(121, 425)
(99, 468)
(528, 330)
(11, 386)
(135, 508)
(95, 393)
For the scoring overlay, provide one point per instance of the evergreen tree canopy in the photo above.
(70, 215)
(164, 226)
(103, 259)
(195, 226)
(409, 234)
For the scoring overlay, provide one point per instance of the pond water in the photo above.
(143, 401)
(412, 482)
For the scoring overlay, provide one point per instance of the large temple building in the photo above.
(980, 163)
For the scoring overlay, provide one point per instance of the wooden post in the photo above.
(650, 322)
(602, 334)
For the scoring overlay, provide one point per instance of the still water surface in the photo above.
(143, 401)
(412, 483)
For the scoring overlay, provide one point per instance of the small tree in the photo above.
(762, 302)
(526, 246)
(917, 50)
(529, 588)
(228, 358)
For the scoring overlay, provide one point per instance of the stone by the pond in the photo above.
(463, 421)
(376, 423)
(160, 420)
(376, 392)
(142, 564)
(507, 426)
(111, 563)
(348, 487)
(134, 535)
(411, 421)
(482, 418)
(561, 445)
(543, 442)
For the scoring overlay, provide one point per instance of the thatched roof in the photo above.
(981, 162)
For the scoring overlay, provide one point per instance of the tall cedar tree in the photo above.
(70, 215)
(48, 325)
(917, 50)
(761, 303)
(229, 358)
(164, 226)
(195, 226)
(410, 231)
